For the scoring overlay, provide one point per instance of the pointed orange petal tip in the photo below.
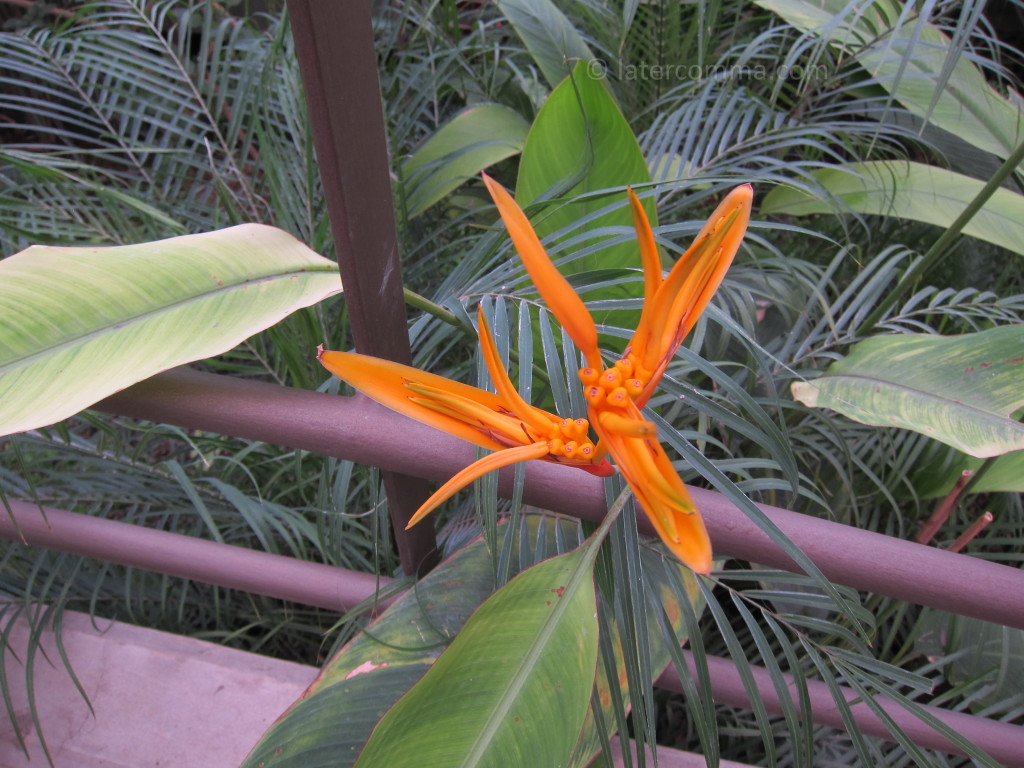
(475, 471)
(646, 243)
(561, 299)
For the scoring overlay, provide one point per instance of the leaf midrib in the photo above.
(500, 711)
(949, 402)
(7, 367)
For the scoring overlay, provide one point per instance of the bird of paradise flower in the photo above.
(518, 431)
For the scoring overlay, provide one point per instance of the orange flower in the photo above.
(503, 422)
(615, 394)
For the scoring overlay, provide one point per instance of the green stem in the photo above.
(414, 299)
(594, 542)
(940, 247)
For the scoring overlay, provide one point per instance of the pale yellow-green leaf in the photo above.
(78, 324)
(912, 69)
(909, 191)
(961, 390)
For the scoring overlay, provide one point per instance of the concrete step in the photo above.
(158, 700)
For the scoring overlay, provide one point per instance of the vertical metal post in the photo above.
(334, 43)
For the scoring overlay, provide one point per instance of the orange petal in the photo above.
(385, 382)
(625, 426)
(563, 301)
(476, 470)
(661, 494)
(538, 420)
(648, 255)
(685, 293)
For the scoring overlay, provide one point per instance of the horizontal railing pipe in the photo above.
(357, 429)
(1002, 741)
(339, 589)
(223, 565)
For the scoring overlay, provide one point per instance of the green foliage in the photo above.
(579, 146)
(514, 685)
(917, 64)
(140, 309)
(960, 390)
(475, 139)
(908, 191)
(136, 122)
(549, 36)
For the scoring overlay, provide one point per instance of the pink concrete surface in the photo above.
(158, 700)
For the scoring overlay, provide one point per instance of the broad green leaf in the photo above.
(549, 36)
(960, 390)
(661, 597)
(78, 324)
(473, 140)
(910, 191)
(580, 143)
(978, 651)
(913, 70)
(938, 472)
(330, 724)
(514, 686)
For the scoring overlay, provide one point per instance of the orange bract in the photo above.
(517, 431)
(614, 395)
(503, 422)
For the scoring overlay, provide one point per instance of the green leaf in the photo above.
(473, 140)
(78, 324)
(910, 61)
(985, 655)
(549, 36)
(910, 191)
(580, 144)
(514, 686)
(666, 628)
(960, 390)
(332, 721)
(937, 476)
(372, 671)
